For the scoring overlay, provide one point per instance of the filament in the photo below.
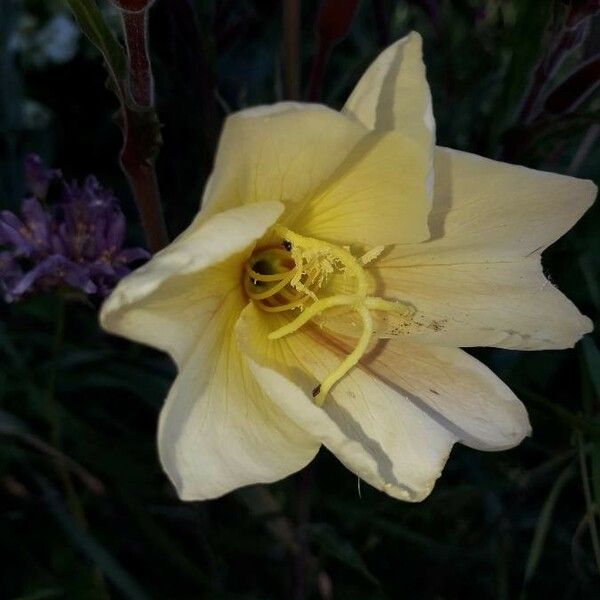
(296, 272)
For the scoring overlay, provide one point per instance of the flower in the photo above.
(75, 243)
(37, 177)
(323, 292)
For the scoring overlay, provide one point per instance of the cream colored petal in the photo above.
(455, 389)
(378, 196)
(394, 94)
(282, 152)
(507, 305)
(167, 302)
(489, 211)
(385, 437)
(218, 430)
(479, 280)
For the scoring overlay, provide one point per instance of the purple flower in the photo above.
(31, 235)
(10, 274)
(37, 176)
(76, 243)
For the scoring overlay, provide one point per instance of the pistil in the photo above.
(295, 273)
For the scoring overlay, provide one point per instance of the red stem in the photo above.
(139, 72)
(291, 49)
(140, 145)
(144, 184)
(317, 71)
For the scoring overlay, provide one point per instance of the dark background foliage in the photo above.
(85, 511)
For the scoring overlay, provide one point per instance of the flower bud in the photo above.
(133, 5)
(334, 19)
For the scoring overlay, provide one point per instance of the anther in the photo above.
(289, 278)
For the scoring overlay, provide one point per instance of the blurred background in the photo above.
(85, 511)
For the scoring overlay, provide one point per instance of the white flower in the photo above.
(323, 292)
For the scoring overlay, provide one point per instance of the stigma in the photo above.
(292, 277)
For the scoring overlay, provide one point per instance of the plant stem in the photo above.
(589, 503)
(139, 72)
(144, 185)
(53, 407)
(141, 130)
(332, 24)
(52, 403)
(317, 71)
(584, 148)
(291, 49)
(382, 23)
(54, 416)
(304, 484)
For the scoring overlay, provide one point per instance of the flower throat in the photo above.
(289, 278)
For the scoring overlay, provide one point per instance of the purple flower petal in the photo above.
(129, 255)
(10, 219)
(38, 223)
(115, 236)
(10, 274)
(13, 232)
(37, 176)
(76, 243)
(52, 272)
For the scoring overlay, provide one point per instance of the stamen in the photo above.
(357, 301)
(301, 268)
(272, 290)
(350, 360)
(371, 255)
(269, 252)
(375, 303)
(265, 278)
(282, 307)
(309, 312)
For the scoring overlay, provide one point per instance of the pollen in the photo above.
(293, 278)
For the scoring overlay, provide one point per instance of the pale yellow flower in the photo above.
(321, 295)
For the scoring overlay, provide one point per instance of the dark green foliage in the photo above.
(85, 511)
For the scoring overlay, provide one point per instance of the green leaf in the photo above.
(526, 42)
(47, 594)
(591, 358)
(90, 20)
(164, 543)
(588, 269)
(595, 459)
(545, 522)
(332, 544)
(11, 425)
(588, 425)
(91, 548)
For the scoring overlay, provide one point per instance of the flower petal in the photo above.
(218, 430)
(386, 193)
(393, 94)
(479, 281)
(507, 305)
(378, 196)
(167, 302)
(376, 431)
(455, 389)
(281, 152)
(52, 272)
(489, 211)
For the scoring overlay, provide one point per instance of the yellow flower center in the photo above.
(293, 277)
